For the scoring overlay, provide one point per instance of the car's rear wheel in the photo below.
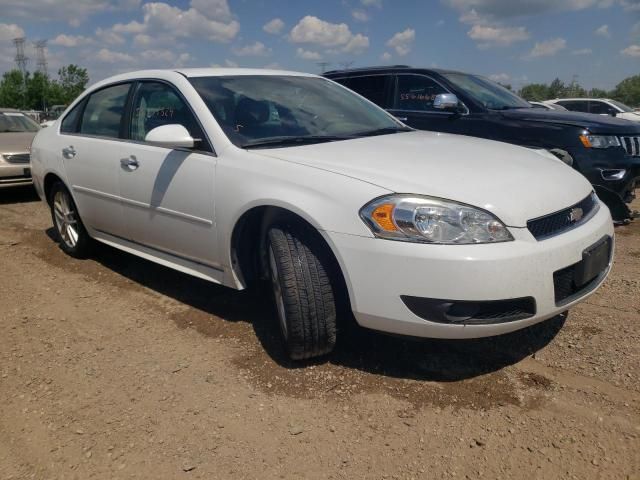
(70, 232)
(302, 288)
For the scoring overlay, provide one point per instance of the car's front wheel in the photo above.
(301, 281)
(70, 232)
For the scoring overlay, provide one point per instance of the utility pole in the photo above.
(323, 66)
(41, 57)
(21, 62)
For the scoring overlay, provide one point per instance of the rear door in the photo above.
(167, 194)
(575, 105)
(90, 145)
(376, 88)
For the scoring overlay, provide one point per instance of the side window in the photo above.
(416, 92)
(70, 122)
(103, 114)
(600, 108)
(576, 105)
(156, 104)
(373, 88)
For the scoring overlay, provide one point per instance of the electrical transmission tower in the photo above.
(21, 61)
(41, 56)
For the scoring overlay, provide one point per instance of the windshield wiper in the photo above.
(382, 131)
(293, 141)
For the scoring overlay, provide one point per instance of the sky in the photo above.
(596, 42)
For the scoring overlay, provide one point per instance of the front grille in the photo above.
(631, 145)
(558, 222)
(21, 158)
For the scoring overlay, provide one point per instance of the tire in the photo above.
(70, 232)
(299, 269)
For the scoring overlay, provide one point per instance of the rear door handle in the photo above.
(69, 152)
(129, 163)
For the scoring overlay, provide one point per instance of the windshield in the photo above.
(276, 111)
(488, 93)
(621, 106)
(16, 122)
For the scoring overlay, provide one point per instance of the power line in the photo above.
(21, 61)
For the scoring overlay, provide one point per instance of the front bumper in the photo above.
(379, 272)
(14, 175)
(595, 163)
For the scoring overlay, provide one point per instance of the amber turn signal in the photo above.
(383, 216)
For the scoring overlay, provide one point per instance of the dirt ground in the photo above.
(114, 367)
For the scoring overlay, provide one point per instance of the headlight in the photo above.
(599, 141)
(414, 218)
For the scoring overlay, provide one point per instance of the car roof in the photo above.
(389, 69)
(578, 98)
(11, 110)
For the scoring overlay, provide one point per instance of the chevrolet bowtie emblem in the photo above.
(575, 215)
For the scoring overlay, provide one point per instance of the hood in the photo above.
(633, 116)
(604, 124)
(16, 142)
(514, 183)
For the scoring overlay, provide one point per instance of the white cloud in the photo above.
(631, 5)
(131, 27)
(492, 10)
(372, 3)
(257, 49)
(547, 48)
(231, 63)
(360, 15)
(336, 36)
(631, 51)
(72, 11)
(214, 9)
(109, 36)
(63, 40)
(274, 27)
(105, 55)
(9, 31)
(603, 31)
(386, 56)
(307, 54)
(488, 36)
(500, 77)
(402, 41)
(582, 51)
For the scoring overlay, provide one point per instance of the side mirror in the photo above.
(612, 112)
(446, 101)
(170, 136)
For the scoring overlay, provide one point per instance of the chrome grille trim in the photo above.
(631, 145)
(21, 158)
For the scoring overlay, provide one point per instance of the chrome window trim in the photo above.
(133, 85)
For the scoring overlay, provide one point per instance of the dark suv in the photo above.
(604, 149)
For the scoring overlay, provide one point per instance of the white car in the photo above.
(598, 106)
(237, 175)
(547, 106)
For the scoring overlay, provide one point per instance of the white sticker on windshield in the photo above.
(13, 114)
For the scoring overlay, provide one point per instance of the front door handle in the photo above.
(129, 163)
(69, 152)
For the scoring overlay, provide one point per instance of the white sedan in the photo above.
(237, 175)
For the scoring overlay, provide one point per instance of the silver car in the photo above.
(16, 134)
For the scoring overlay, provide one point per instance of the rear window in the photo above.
(17, 122)
(102, 116)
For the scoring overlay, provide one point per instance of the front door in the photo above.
(167, 194)
(91, 148)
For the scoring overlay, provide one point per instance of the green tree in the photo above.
(598, 93)
(73, 80)
(535, 92)
(37, 90)
(557, 89)
(628, 91)
(12, 93)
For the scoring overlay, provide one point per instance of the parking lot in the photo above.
(114, 367)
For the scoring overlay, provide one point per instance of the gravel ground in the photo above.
(114, 367)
